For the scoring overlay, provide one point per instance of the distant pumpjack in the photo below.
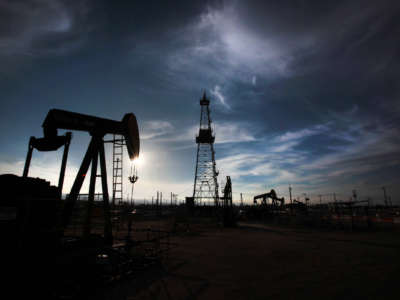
(205, 179)
(272, 196)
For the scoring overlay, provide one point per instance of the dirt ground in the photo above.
(255, 261)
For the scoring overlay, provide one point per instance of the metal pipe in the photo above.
(76, 187)
(64, 162)
(106, 205)
(92, 187)
(28, 157)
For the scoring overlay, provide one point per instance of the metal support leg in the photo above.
(106, 205)
(64, 163)
(92, 186)
(80, 177)
(28, 157)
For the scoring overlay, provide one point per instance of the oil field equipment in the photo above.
(271, 195)
(97, 128)
(205, 179)
(118, 142)
(277, 204)
(50, 143)
(228, 213)
(37, 219)
(132, 179)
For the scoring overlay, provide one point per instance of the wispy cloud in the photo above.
(153, 129)
(282, 162)
(254, 80)
(240, 46)
(221, 48)
(283, 147)
(230, 132)
(218, 94)
(303, 133)
(225, 132)
(248, 165)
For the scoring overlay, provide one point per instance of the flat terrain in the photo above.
(257, 261)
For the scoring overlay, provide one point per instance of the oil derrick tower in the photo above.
(205, 179)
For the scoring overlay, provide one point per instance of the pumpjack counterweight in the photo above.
(205, 180)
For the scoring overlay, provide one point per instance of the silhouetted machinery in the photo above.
(228, 213)
(97, 128)
(298, 207)
(271, 195)
(36, 219)
(347, 207)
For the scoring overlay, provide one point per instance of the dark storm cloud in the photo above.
(141, 19)
(43, 27)
(304, 50)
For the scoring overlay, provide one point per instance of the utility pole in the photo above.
(173, 199)
(320, 200)
(355, 195)
(291, 201)
(385, 196)
(306, 199)
(241, 199)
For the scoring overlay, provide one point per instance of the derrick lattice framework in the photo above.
(205, 180)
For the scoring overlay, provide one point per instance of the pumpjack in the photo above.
(271, 195)
(266, 209)
(97, 128)
(38, 218)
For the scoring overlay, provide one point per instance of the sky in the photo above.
(304, 93)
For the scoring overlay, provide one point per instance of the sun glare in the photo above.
(139, 161)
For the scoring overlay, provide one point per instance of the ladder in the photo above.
(118, 147)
